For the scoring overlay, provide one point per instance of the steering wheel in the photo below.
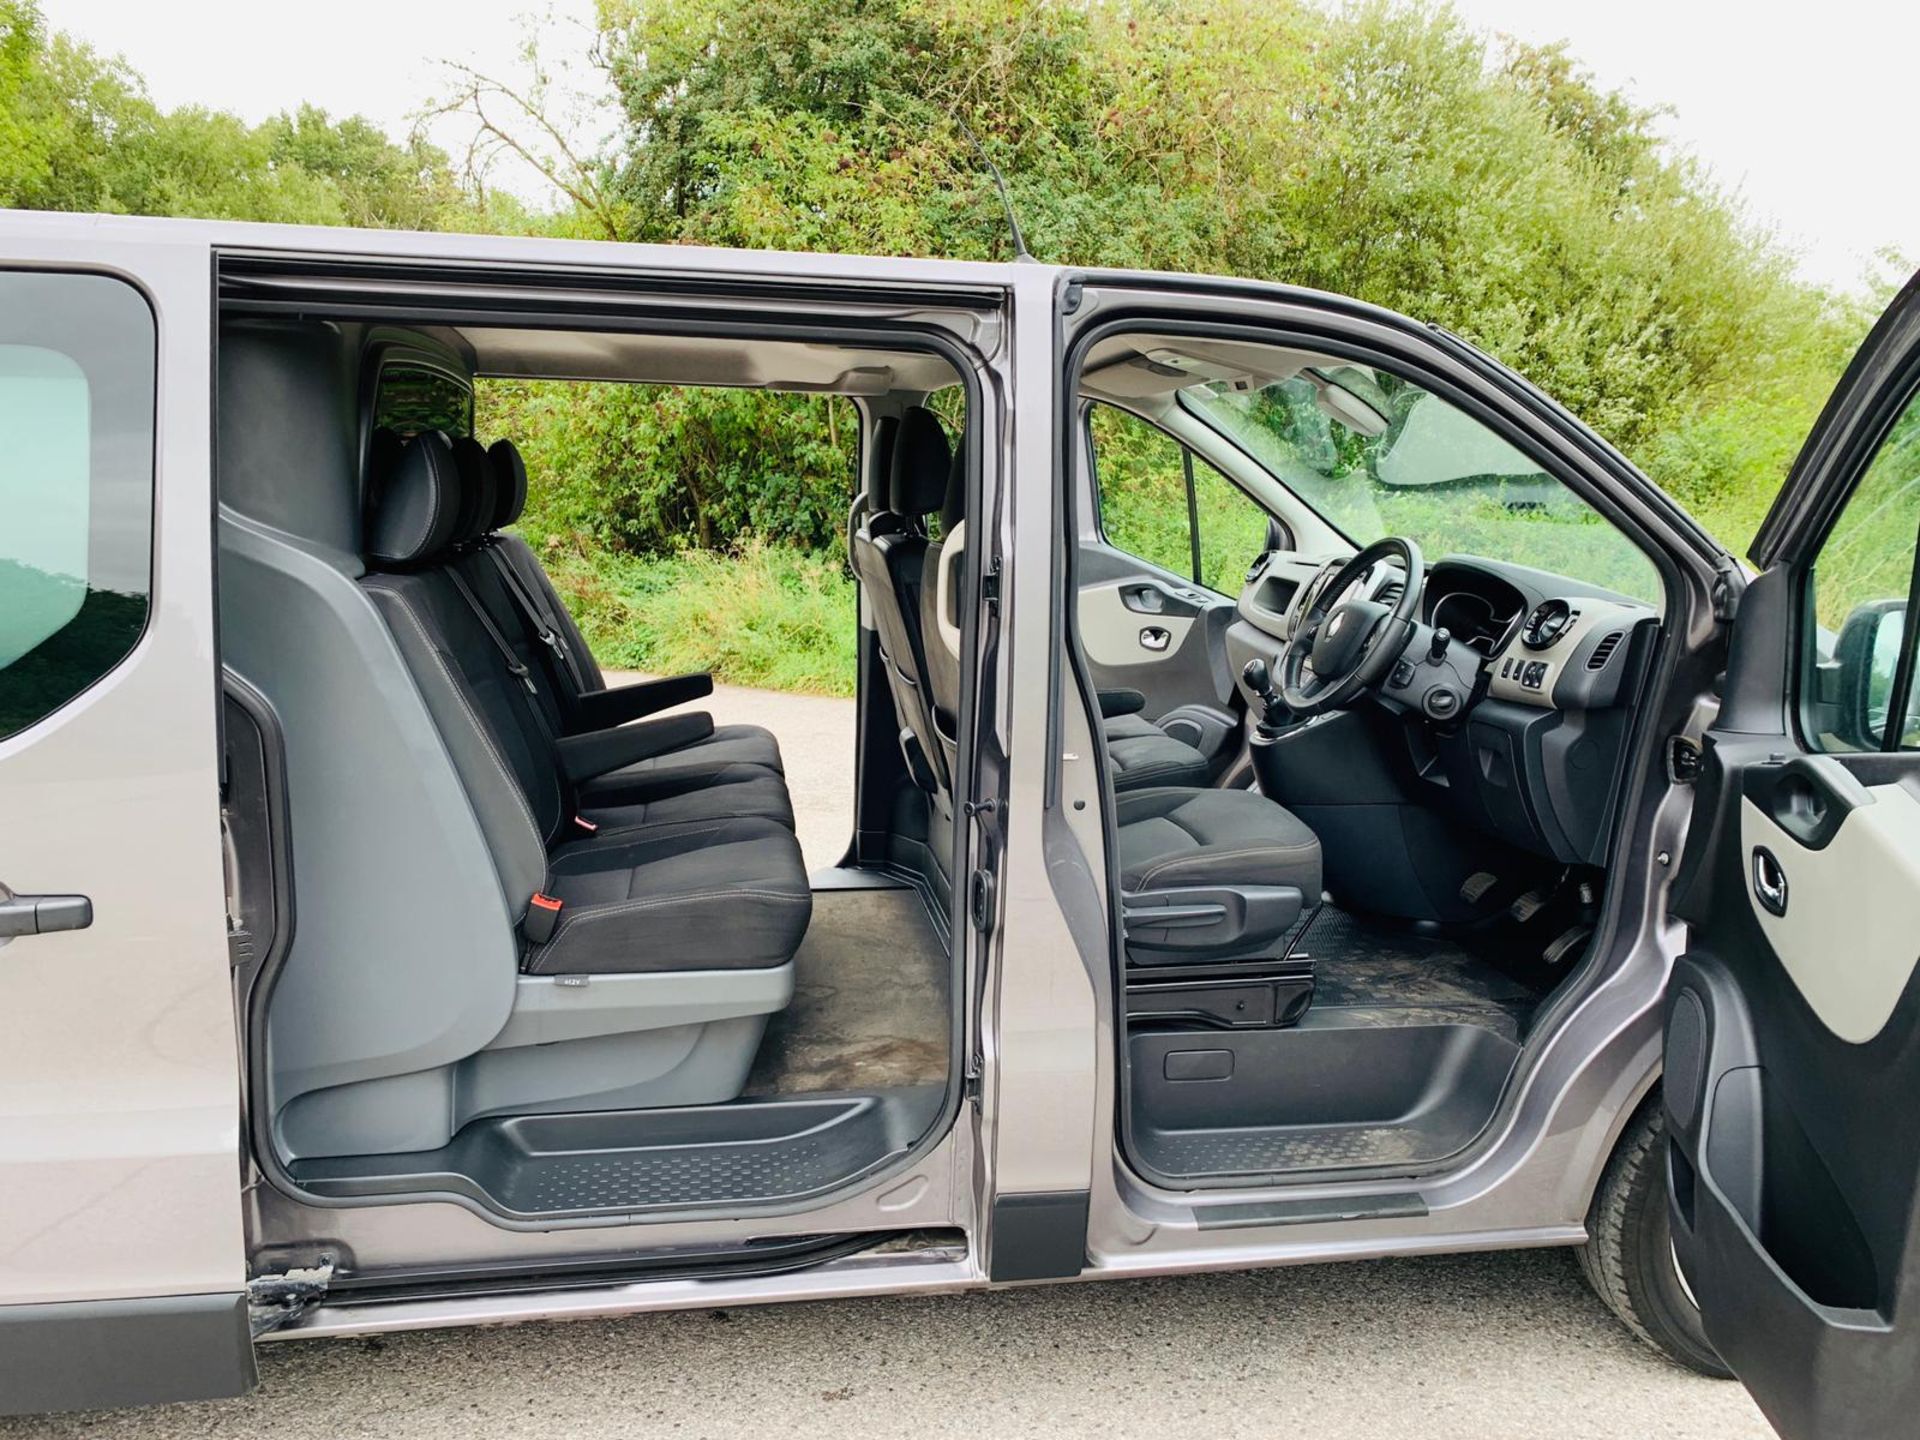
(1341, 649)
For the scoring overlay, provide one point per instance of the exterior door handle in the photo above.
(42, 914)
(1155, 637)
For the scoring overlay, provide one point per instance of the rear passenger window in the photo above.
(412, 398)
(76, 485)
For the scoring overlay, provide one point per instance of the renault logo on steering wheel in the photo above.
(1333, 625)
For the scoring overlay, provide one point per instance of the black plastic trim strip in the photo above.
(1040, 1236)
(96, 1354)
(755, 1258)
(263, 281)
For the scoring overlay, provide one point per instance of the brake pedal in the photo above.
(1571, 939)
(1477, 885)
(1529, 905)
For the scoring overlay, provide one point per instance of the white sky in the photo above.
(1807, 110)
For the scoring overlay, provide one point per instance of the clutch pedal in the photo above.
(1477, 885)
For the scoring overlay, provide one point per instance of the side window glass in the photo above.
(1863, 650)
(1142, 475)
(76, 485)
(413, 398)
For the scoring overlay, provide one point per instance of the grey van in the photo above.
(1314, 800)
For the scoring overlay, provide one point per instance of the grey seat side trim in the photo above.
(521, 857)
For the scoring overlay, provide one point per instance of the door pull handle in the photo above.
(1769, 881)
(1155, 637)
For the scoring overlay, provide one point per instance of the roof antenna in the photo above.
(1020, 251)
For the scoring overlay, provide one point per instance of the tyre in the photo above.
(1628, 1257)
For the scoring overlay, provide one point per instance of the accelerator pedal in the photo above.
(1476, 885)
(1570, 943)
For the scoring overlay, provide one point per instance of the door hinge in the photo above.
(281, 1296)
(1684, 759)
(1729, 581)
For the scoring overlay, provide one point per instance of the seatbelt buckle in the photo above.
(543, 915)
(586, 825)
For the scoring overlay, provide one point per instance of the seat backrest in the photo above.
(488, 717)
(888, 552)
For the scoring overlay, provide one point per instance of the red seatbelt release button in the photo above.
(543, 914)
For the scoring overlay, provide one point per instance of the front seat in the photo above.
(1211, 875)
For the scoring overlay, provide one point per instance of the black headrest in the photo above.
(383, 453)
(418, 509)
(921, 458)
(477, 490)
(953, 508)
(509, 481)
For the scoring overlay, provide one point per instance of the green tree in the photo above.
(78, 132)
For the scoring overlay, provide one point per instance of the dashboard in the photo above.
(1539, 672)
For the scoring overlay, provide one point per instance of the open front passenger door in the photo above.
(1792, 1083)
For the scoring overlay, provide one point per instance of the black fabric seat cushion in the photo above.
(677, 798)
(1174, 837)
(1141, 754)
(723, 895)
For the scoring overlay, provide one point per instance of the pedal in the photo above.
(1570, 942)
(1476, 885)
(1529, 905)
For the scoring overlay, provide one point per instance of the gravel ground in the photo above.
(1481, 1346)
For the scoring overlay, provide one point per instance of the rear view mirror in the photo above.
(1853, 689)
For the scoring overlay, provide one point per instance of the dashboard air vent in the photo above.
(1390, 593)
(1603, 652)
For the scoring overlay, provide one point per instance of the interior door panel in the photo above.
(1148, 630)
(1793, 1065)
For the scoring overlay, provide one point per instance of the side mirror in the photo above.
(1852, 690)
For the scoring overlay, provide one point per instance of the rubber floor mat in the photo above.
(871, 1003)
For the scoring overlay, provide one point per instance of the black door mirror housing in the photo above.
(1853, 689)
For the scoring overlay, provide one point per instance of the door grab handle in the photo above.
(1155, 637)
(41, 914)
(1769, 881)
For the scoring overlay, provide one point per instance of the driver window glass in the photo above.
(1858, 592)
(1377, 455)
(1141, 479)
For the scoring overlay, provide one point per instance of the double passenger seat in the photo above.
(610, 864)
(712, 772)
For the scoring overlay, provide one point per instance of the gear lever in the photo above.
(1273, 710)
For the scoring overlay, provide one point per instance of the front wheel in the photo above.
(1628, 1257)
